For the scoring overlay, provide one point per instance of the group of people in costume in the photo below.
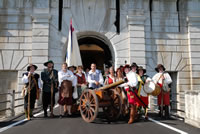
(72, 81)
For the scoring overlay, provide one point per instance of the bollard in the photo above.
(12, 103)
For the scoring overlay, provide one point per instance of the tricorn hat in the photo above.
(31, 65)
(141, 68)
(46, 63)
(159, 66)
(72, 67)
(134, 65)
(126, 66)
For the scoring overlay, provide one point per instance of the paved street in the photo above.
(75, 125)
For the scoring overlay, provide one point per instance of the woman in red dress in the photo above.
(111, 77)
(81, 80)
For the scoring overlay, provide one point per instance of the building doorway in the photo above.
(94, 50)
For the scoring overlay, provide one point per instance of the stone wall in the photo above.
(15, 38)
(24, 37)
(94, 18)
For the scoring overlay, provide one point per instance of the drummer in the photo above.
(162, 78)
(142, 79)
(130, 87)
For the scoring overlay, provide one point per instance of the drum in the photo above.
(152, 89)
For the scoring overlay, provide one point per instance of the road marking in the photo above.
(167, 126)
(21, 121)
(157, 122)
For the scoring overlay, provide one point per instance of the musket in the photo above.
(161, 109)
(139, 98)
(29, 96)
(52, 75)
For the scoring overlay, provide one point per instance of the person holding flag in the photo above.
(73, 58)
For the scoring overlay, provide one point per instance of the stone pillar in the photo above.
(136, 38)
(40, 39)
(40, 34)
(192, 96)
(194, 50)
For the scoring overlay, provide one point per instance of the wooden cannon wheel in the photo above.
(124, 99)
(89, 105)
(113, 111)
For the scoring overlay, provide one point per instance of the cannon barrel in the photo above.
(112, 85)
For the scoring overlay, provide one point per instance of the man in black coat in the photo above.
(49, 77)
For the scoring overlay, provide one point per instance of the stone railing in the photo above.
(192, 107)
(9, 103)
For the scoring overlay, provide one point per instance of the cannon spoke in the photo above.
(92, 100)
(84, 96)
(91, 114)
(92, 109)
(84, 110)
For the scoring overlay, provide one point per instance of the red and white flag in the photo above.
(73, 57)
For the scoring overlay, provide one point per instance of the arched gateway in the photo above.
(95, 47)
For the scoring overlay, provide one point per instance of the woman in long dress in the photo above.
(66, 80)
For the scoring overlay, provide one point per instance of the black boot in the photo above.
(45, 113)
(159, 108)
(166, 112)
(31, 113)
(26, 113)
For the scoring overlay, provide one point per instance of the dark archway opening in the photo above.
(96, 51)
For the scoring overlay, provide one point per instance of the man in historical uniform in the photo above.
(163, 79)
(49, 77)
(130, 88)
(95, 77)
(142, 79)
(32, 83)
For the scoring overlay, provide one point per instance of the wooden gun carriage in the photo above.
(105, 97)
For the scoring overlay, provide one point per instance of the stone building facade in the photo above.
(151, 32)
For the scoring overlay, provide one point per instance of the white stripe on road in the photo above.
(167, 126)
(12, 125)
(21, 121)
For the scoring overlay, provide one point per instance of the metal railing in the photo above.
(11, 102)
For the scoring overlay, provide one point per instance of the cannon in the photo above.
(106, 98)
